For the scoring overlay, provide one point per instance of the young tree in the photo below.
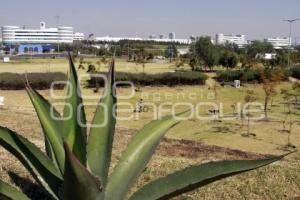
(81, 64)
(193, 64)
(287, 108)
(296, 92)
(99, 65)
(179, 62)
(269, 79)
(141, 58)
(171, 52)
(104, 60)
(248, 98)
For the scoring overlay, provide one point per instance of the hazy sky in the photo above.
(255, 18)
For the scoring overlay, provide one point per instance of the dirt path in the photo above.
(187, 148)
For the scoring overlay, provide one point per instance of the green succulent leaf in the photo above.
(101, 135)
(38, 164)
(50, 152)
(8, 192)
(52, 128)
(197, 176)
(79, 183)
(75, 132)
(138, 153)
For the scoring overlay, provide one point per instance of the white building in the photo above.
(266, 56)
(280, 43)
(239, 40)
(117, 39)
(43, 35)
(78, 36)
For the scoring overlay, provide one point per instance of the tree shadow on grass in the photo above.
(31, 189)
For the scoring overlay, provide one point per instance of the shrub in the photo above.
(168, 79)
(249, 75)
(295, 72)
(40, 81)
(229, 75)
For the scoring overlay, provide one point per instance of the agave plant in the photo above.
(76, 164)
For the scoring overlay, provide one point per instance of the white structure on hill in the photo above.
(239, 40)
(280, 43)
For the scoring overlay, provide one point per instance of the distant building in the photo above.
(161, 36)
(239, 40)
(280, 43)
(266, 56)
(16, 35)
(172, 36)
(152, 36)
(117, 39)
(78, 36)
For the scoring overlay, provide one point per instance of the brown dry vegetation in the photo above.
(279, 181)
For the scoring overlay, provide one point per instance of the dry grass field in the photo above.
(193, 141)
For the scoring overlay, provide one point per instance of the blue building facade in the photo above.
(35, 48)
(30, 49)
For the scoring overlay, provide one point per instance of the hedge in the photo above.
(243, 75)
(162, 79)
(39, 81)
(252, 75)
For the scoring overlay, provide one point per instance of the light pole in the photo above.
(290, 21)
(57, 25)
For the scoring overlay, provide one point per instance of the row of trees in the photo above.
(205, 55)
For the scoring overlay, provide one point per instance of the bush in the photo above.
(243, 75)
(40, 81)
(249, 75)
(168, 79)
(295, 72)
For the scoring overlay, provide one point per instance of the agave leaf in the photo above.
(38, 164)
(100, 140)
(76, 134)
(197, 176)
(137, 155)
(8, 192)
(78, 182)
(49, 152)
(52, 128)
